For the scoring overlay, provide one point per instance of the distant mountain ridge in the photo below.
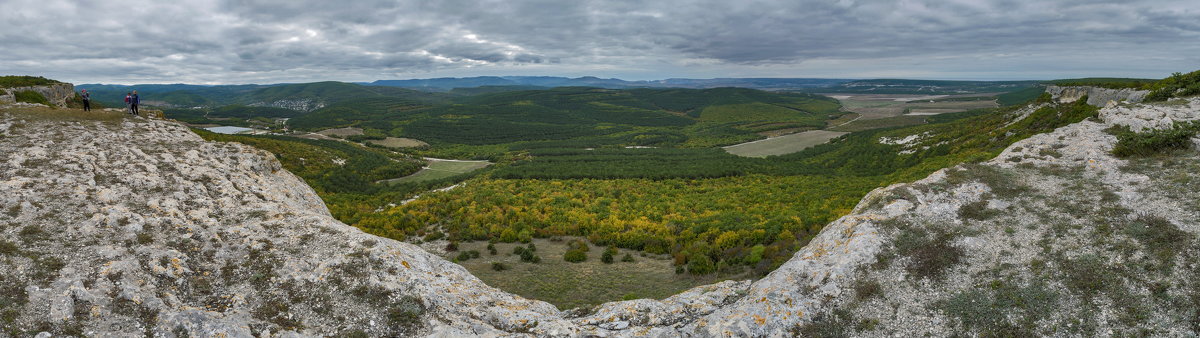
(311, 96)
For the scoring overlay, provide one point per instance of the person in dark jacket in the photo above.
(87, 100)
(133, 103)
(128, 100)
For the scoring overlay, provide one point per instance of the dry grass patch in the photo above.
(399, 142)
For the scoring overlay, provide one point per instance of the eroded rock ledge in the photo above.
(125, 226)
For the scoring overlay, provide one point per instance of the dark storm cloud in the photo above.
(235, 41)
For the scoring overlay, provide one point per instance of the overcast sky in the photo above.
(231, 41)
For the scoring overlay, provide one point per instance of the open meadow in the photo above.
(439, 169)
(570, 285)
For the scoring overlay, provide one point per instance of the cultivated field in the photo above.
(399, 142)
(570, 285)
(786, 144)
(341, 132)
(903, 110)
(876, 106)
(439, 169)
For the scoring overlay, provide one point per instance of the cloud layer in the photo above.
(234, 41)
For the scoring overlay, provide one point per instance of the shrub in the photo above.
(1152, 142)
(529, 257)
(607, 257)
(578, 244)
(1177, 85)
(628, 258)
(499, 266)
(575, 256)
(699, 264)
(756, 254)
(491, 249)
(473, 253)
(462, 257)
(452, 246)
(30, 97)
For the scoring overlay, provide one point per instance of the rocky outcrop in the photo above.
(1097, 96)
(118, 226)
(57, 94)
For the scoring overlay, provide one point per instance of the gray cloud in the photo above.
(238, 41)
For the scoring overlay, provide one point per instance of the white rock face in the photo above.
(126, 227)
(1097, 96)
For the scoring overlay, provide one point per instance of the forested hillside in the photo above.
(712, 211)
(489, 124)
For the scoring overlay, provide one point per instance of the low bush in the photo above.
(499, 266)
(1178, 85)
(575, 256)
(462, 257)
(529, 256)
(1152, 142)
(608, 256)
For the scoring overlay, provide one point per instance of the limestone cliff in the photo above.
(117, 226)
(1097, 96)
(57, 94)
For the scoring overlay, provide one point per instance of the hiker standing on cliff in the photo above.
(133, 103)
(128, 101)
(87, 100)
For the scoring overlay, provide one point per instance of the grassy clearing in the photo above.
(439, 169)
(786, 144)
(570, 285)
(399, 142)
